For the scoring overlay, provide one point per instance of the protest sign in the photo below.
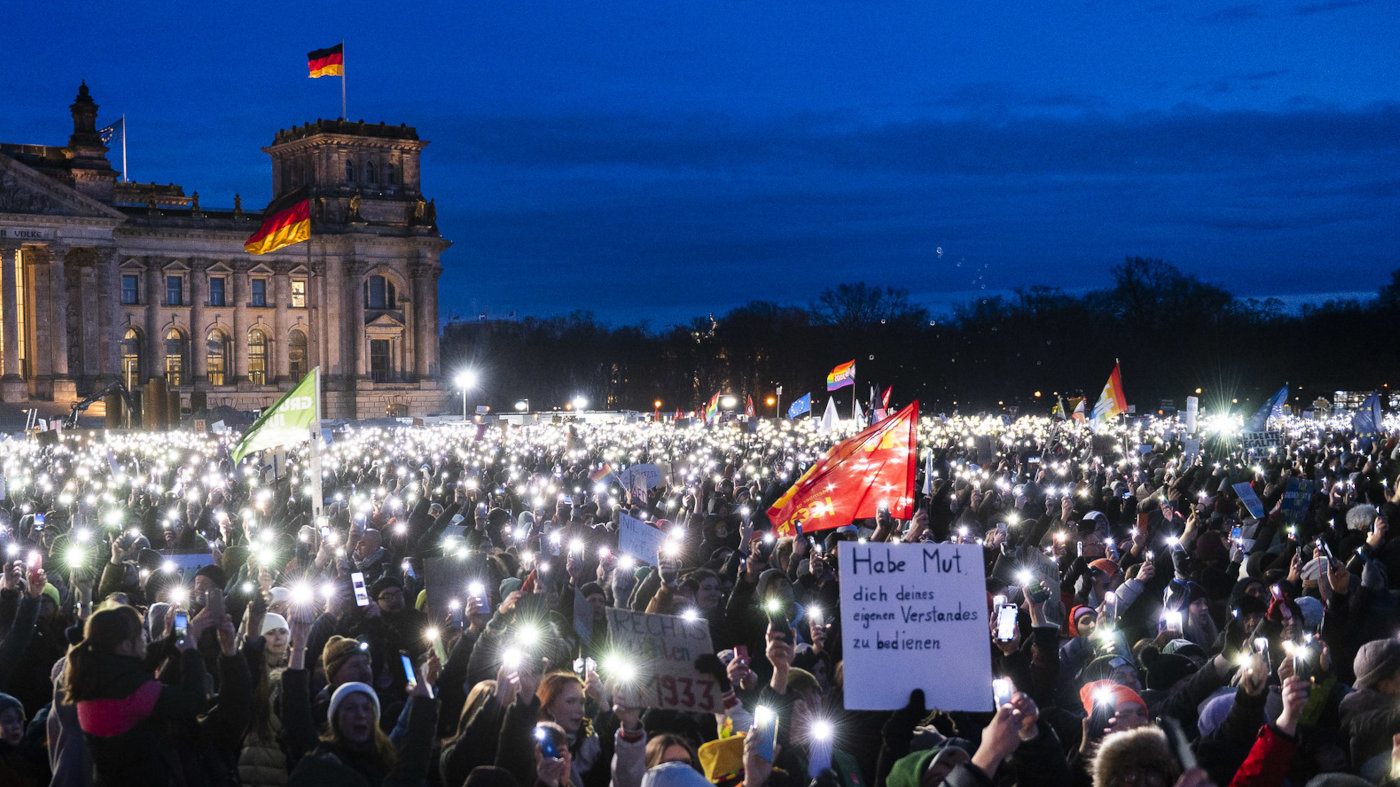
(914, 616)
(1190, 449)
(1250, 500)
(446, 579)
(663, 648)
(1260, 441)
(1193, 412)
(1297, 496)
(638, 539)
(649, 473)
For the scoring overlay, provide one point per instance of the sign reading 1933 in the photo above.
(27, 233)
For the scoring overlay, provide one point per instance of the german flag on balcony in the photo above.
(286, 221)
(327, 62)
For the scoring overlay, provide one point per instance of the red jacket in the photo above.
(1268, 760)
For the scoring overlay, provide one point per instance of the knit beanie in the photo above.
(273, 621)
(1144, 747)
(1106, 688)
(509, 585)
(1312, 611)
(8, 702)
(215, 575)
(1376, 661)
(1074, 616)
(52, 593)
(1106, 565)
(674, 774)
(338, 651)
(345, 690)
(1209, 546)
(1165, 669)
(722, 759)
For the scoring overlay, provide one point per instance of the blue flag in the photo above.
(110, 132)
(802, 405)
(1367, 421)
(1273, 408)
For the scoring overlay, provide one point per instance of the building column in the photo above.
(423, 281)
(155, 342)
(199, 348)
(239, 282)
(282, 292)
(65, 388)
(39, 297)
(11, 383)
(358, 347)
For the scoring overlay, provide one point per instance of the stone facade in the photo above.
(102, 280)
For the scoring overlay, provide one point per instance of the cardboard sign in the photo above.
(447, 578)
(914, 616)
(1297, 496)
(649, 473)
(664, 649)
(1250, 500)
(1193, 413)
(638, 539)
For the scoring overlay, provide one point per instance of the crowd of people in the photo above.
(169, 618)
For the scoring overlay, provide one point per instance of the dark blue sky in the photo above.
(658, 160)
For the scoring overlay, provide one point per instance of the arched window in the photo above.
(218, 352)
(370, 175)
(349, 171)
(380, 293)
(176, 350)
(133, 366)
(391, 175)
(257, 357)
(296, 355)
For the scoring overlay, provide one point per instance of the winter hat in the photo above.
(345, 690)
(674, 774)
(1102, 667)
(1376, 661)
(1165, 669)
(1213, 711)
(215, 575)
(1312, 611)
(1074, 616)
(338, 650)
(1144, 747)
(273, 621)
(149, 559)
(383, 584)
(7, 702)
(590, 589)
(1106, 566)
(1313, 569)
(51, 593)
(509, 585)
(1250, 605)
(1276, 607)
(1209, 546)
(1184, 647)
(1107, 688)
(279, 595)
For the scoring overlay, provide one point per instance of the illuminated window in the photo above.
(132, 367)
(296, 356)
(217, 348)
(176, 348)
(298, 293)
(257, 357)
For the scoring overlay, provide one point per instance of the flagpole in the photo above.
(126, 177)
(343, 114)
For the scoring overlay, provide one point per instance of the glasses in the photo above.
(388, 594)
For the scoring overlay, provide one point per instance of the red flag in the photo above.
(856, 477)
(885, 398)
(748, 408)
(678, 413)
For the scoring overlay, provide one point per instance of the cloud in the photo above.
(1226, 83)
(1234, 14)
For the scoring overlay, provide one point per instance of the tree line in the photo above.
(1172, 332)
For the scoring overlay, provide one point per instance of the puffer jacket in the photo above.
(262, 763)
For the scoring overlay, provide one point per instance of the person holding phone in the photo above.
(127, 715)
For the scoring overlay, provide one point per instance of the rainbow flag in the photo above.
(841, 376)
(603, 475)
(1111, 400)
(711, 408)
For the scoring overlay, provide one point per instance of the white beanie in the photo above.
(345, 690)
(280, 595)
(272, 620)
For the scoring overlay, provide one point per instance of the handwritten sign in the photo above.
(632, 477)
(638, 539)
(664, 648)
(1251, 501)
(914, 616)
(1260, 441)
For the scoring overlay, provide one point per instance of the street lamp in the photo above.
(728, 402)
(580, 402)
(466, 379)
(523, 405)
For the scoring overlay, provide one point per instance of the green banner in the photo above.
(286, 423)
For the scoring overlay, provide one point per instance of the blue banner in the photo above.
(1273, 408)
(802, 405)
(1367, 421)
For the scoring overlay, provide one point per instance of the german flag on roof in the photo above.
(327, 62)
(286, 221)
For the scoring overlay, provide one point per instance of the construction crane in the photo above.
(71, 422)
